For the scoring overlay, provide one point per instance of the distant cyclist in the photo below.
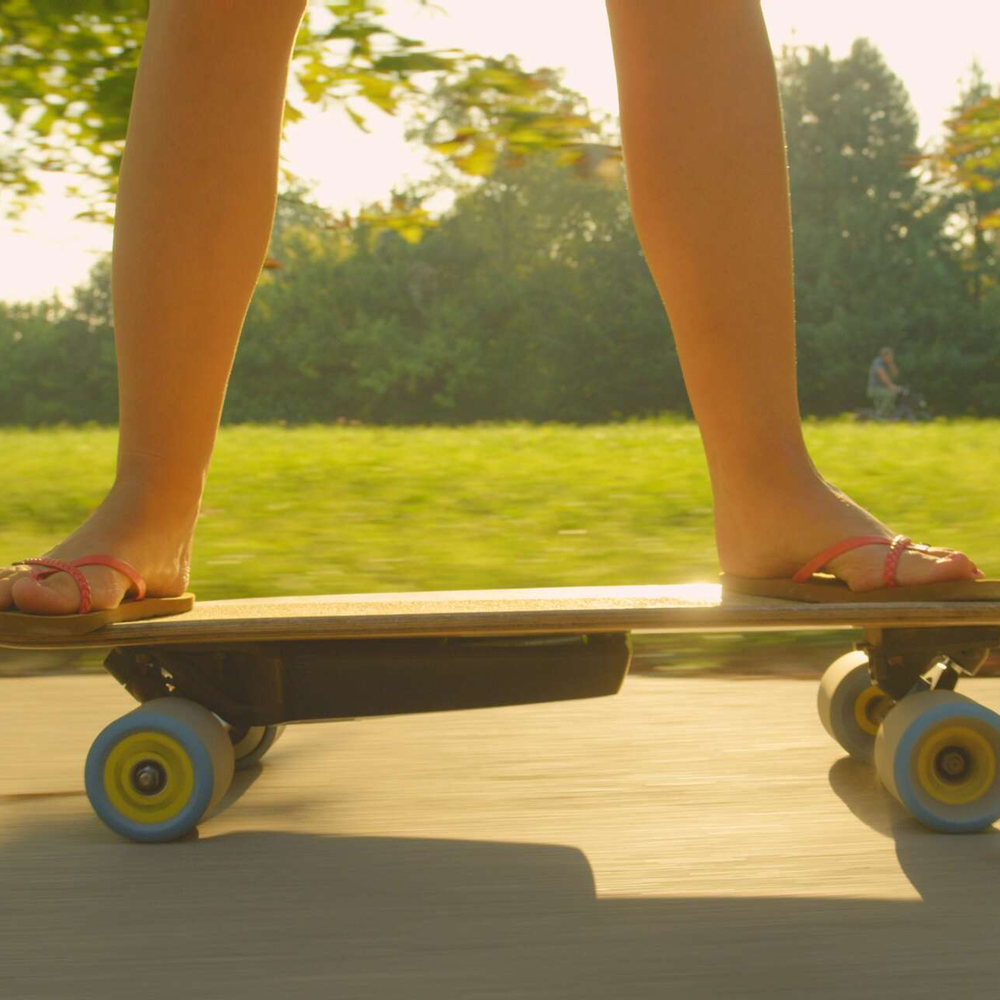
(882, 387)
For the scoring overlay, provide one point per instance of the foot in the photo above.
(776, 532)
(152, 535)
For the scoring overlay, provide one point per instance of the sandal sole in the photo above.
(833, 591)
(16, 624)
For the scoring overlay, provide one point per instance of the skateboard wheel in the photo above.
(153, 774)
(250, 744)
(850, 706)
(937, 753)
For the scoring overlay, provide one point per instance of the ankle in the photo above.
(743, 465)
(172, 506)
(751, 493)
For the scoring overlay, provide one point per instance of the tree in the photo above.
(970, 156)
(57, 362)
(67, 71)
(966, 169)
(531, 300)
(496, 115)
(872, 264)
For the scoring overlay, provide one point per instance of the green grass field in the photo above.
(340, 509)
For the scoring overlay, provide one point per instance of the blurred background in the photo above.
(456, 371)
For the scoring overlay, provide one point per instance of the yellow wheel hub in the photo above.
(870, 708)
(148, 777)
(956, 765)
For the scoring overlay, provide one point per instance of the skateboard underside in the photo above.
(216, 684)
(268, 683)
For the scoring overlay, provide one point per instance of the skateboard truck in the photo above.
(899, 658)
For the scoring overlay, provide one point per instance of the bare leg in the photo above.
(705, 160)
(195, 208)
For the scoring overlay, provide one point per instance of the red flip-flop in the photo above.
(810, 585)
(18, 624)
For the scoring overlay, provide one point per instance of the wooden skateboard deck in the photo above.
(216, 683)
(698, 607)
(264, 661)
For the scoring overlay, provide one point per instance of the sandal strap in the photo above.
(819, 561)
(126, 569)
(72, 567)
(898, 546)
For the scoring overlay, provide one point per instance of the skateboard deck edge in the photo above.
(470, 613)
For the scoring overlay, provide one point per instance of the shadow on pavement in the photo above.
(265, 914)
(943, 868)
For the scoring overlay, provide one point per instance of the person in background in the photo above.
(882, 386)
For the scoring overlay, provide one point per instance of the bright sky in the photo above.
(930, 48)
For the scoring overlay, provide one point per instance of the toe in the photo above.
(862, 569)
(8, 576)
(56, 595)
(935, 565)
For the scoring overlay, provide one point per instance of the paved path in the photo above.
(689, 838)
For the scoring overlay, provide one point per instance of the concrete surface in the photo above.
(688, 838)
